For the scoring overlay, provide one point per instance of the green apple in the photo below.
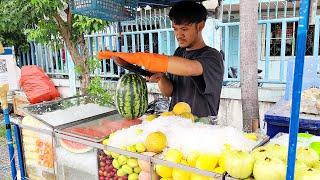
(315, 146)
(140, 147)
(305, 135)
(122, 159)
(132, 162)
(133, 176)
(127, 169)
(115, 164)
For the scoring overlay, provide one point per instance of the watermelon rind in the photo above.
(74, 147)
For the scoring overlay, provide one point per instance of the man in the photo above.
(194, 72)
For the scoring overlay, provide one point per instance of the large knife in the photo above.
(132, 68)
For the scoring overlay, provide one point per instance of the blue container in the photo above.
(278, 118)
(109, 10)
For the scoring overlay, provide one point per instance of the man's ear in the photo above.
(201, 25)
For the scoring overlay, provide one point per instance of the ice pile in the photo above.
(74, 113)
(185, 135)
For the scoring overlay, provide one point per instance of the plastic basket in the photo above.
(109, 10)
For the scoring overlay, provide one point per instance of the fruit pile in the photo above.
(106, 170)
(205, 161)
(269, 162)
(181, 109)
(122, 166)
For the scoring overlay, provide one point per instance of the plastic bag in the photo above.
(37, 85)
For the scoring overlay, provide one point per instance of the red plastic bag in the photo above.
(37, 85)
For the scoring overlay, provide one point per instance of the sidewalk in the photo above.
(5, 171)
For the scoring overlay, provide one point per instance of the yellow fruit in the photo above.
(219, 170)
(251, 136)
(199, 177)
(184, 162)
(173, 155)
(170, 113)
(140, 147)
(181, 107)
(151, 117)
(188, 115)
(166, 179)
(179, 174)
(192, 158)
(114, 155)
(164, 171)
(132, 148)
(156, 142)
(223, 155)
(207, 162)
(105, 142)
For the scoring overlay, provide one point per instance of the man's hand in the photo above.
(155, 78)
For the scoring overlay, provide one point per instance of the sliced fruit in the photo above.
(74, 146)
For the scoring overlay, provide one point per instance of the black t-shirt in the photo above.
(202, 92)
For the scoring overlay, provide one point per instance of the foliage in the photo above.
(35, 20)
(98, 90)
(96, 87)
(15, 16)
(48, 22)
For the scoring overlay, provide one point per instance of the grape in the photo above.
(108, 162)
(101, 178)
(100, 172)
(102, 168)
(103, 158)
(102, 164)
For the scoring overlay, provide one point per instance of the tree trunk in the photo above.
(78, 59)
(85, 76)
(249, 63)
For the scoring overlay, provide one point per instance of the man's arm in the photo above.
(184, 67)
(158, 63)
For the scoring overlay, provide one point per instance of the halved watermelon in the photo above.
(74, 146)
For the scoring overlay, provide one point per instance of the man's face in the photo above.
(186, 34)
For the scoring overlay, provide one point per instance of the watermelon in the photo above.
(131, 96)
(74, 146)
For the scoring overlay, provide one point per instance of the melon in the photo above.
(74, 146)
(131, 96)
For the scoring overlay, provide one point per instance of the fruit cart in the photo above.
(59, 144)
(37, 130)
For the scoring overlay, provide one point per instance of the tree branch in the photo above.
(69, 18)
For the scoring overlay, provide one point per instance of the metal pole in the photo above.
(19, 150)
(297, 86)
(4, 104)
